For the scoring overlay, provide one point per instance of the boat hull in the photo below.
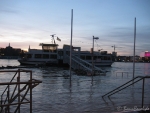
(36, 63)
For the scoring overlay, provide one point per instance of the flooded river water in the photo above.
(54, 94)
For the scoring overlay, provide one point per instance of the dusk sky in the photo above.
(30, 22)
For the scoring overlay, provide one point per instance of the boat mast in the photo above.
(53, 40)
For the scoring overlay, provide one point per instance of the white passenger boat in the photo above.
(51, 55)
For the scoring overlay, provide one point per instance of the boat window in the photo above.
(88, 57)
(108, 58)
(60, 53)
(52, 51)
(45, 56)
(38, 56)
(29, 55)
(53, 56)
(68, 52)
(99, 57)
(105, 57)
(82, 57)
(46, 50)
(95, 57)
(49, 47)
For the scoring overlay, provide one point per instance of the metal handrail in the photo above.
(121, 86)
(7, 88)
(10, 82)
(9, 100)
(129, 84)
(125, 87)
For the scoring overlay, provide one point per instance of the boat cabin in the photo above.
(49, 47)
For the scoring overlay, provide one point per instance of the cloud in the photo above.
(8, 11)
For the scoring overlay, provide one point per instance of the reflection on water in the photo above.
(146, 69)
(7, 62)
(55, 95)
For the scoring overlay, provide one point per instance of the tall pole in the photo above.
(92, 60)
(93, 57)
(134, 47)
(71, 43)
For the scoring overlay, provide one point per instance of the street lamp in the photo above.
(96, 38)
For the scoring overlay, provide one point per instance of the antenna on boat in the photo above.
(53, 40)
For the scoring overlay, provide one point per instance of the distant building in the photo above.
(120, 58)
(147, 54)
(127, 58)
(137, 58)
(2, 51)
(10, 52)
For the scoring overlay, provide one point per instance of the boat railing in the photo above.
(17, 92)
(127, 84)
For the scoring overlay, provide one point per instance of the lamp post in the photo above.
(96, 38)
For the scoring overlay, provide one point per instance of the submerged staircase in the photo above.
(82, 65)
(127, 84)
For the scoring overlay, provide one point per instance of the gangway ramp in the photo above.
(78, 63)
